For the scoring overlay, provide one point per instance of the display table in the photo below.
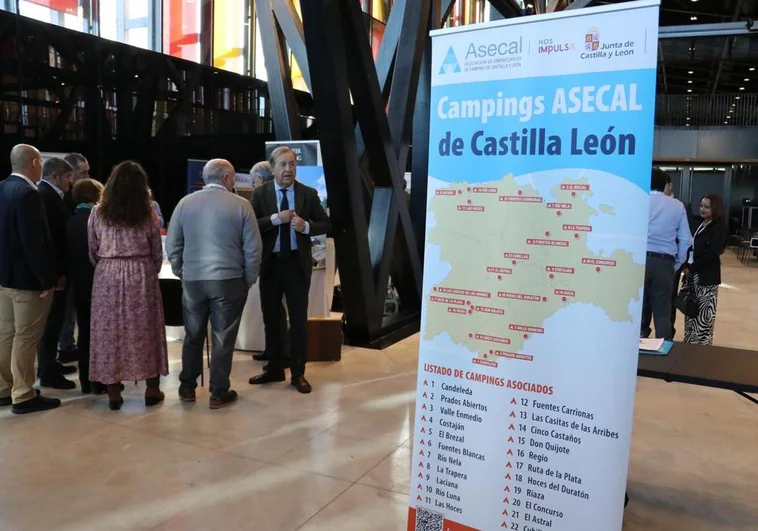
(709, 366)
(251, 334)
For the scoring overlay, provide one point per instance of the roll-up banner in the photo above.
(540, 157)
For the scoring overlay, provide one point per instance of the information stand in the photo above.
(540, 156)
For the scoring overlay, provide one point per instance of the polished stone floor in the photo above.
(339, 459)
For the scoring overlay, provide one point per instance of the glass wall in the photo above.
(182, 29)
(221, 33)
(231, 36)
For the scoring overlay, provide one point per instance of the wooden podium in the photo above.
(324, 339)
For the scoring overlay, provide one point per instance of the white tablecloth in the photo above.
(250, 335)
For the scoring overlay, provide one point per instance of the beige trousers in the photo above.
(22, 321)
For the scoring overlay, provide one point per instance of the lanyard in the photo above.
(701, 228)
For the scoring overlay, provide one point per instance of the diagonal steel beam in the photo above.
(507, 8)
(333, 110)
(281, 92)
(405, 79)
(580, 4)
(292, 27)
(445, 9)
(386, 169)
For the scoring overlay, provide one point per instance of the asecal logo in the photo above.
(592, 40)
(450, 64)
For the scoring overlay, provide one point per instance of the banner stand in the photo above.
(541, 146)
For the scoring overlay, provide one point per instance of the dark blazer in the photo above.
(708, 247)
(68, 200)
(25, 248)
(81, 270)
(307, 205)
(58, 215)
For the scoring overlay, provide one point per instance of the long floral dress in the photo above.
(128, 336)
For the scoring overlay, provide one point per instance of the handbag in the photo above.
(686, 300)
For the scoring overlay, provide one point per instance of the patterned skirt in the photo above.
(699, 330)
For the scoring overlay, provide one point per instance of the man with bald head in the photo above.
(214, 246)
(27, 281)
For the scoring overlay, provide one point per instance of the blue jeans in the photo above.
(221, 302)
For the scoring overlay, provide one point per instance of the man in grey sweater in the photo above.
(214, 246)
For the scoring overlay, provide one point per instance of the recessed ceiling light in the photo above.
(726, 123)
(688, 118)
(742, 88)
(689, 90)
(689, 82)
(693, 18)
(747, 79)
(690, 72)
(752, 69)
(737, 98)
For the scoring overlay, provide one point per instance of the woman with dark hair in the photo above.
(128, 335)
(85, 195)
(704, 269)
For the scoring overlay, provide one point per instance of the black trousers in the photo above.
(285, 277)
(47, 355)
(83, 306)
(285, 344)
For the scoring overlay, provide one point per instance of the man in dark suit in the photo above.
(68, 350)
(27, 280)
(262, 174)
(81, 169)
(56, 181)
(288, 213)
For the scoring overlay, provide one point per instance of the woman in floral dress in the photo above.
(128, 337)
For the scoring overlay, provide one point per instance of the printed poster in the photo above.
(540, 158)
(310, 168)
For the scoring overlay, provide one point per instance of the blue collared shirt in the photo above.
(668, 229)
(290, 191)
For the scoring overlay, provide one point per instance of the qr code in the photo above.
(428, 521)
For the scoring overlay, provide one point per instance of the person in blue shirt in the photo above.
(668, 241)
(157, 211)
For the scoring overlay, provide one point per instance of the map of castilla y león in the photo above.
(517, 258)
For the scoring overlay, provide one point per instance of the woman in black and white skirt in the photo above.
(704, 269)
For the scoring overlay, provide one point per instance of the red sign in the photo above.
(67, 6)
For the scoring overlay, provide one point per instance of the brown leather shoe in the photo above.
(267, 377)
(186, 395)
(223, 399)
(301, 384)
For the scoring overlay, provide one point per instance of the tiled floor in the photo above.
(339, 459)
